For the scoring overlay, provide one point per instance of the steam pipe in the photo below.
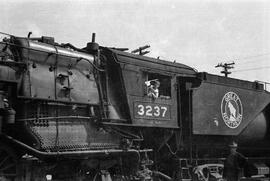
(43, 154)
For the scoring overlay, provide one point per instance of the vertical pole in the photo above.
(93, 37)
(190, 124)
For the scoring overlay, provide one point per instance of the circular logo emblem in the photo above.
(231, 110)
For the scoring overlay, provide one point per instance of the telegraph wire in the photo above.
(250, 69)
(251, 61)
(251, 57)
(254, 56)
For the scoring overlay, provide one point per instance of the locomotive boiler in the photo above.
(71, 113)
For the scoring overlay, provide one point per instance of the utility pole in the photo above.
(226, 67)
(140, 50)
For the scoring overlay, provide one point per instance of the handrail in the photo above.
(266, 85)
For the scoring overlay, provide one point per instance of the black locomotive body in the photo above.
(77, 114)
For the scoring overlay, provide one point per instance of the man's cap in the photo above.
(233, 145)
(155, 81)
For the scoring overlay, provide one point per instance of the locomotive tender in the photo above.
(85, 114)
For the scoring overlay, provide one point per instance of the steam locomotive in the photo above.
(71, 113)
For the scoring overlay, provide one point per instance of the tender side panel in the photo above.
(220, 109)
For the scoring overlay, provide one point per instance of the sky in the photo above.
(198, 33)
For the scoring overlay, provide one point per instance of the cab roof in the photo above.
(152, 63)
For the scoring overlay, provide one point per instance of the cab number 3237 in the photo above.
(151, 111)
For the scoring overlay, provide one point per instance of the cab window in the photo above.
(161, 82)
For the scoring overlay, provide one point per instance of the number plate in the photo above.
(152, 111)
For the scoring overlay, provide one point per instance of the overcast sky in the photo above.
(197, 33)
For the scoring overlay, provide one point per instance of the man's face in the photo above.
(156, 86)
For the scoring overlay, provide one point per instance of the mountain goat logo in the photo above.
(231, 110)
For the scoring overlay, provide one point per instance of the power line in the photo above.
(251, 61)
(252, 57)
(255, 56)
(257, 68)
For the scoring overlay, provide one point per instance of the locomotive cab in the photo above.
(136, 74)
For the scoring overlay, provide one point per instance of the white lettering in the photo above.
(141, 110)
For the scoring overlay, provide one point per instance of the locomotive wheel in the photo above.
(8, 163)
